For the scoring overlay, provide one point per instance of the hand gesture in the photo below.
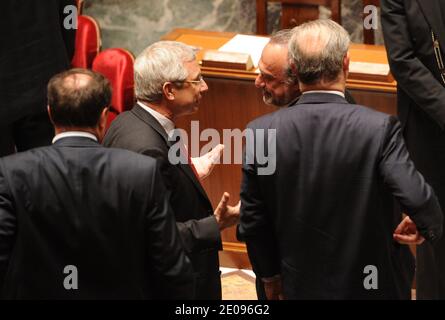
(407, 233)
(226, 216)
(204, 165)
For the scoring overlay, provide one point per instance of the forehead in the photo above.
(193, 68)
(273, 59)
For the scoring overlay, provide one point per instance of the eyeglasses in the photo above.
(268, 78)
(200, 80)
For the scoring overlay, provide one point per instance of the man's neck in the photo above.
(338, 84)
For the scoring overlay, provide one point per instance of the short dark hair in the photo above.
(74, 105)
(282, 38)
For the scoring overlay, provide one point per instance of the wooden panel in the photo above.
(296, 12)
(233, 100)
(380, 101)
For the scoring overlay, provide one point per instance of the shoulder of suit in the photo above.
(262, 121)
(129, 156)
(127, 126)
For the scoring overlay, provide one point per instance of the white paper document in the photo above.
(369, 68)
(252, 45)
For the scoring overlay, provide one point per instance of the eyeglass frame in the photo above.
(201, 80)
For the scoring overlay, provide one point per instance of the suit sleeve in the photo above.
(255, 227)
(408, 186)
(196, 234)
(8, 225)
(172, 270)
(412, 76)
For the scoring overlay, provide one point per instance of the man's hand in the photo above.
(226, 216)
(272, 288)
(204, 165)
(407, 233)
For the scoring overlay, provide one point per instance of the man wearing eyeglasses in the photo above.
(168, 85)
(276, 79)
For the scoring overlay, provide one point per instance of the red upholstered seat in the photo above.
(87, 42)
(117, 65)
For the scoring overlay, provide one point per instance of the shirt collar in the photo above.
(326, 91)
(74, 134)
(165, 122)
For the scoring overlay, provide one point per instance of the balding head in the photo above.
(279, 85)
(77, 97)
(318, 50)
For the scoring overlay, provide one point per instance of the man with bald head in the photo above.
(322, 226)
(80, 221)
(276, 79)
(280, 88)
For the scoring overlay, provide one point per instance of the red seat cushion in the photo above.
(117, 66)
(87, 42)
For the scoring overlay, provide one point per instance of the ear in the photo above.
(346, 61)
(168, 91)
(293, 67)
(48, 109)
(101, 126)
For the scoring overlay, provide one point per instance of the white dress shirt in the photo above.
(165, 122)
(326, 91)
(74, 134)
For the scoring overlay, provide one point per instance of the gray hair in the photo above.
(161, 62)
(317, 48)
(282, 38)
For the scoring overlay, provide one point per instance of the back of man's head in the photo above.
(77, 97)
(159, 63)
(317, 49)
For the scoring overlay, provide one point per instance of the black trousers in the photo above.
(26, 133)
(426, 144)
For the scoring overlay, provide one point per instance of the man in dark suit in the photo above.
(168, 85)
(280, 88)
(325, 218)
(80, 221)
(35, 46)
(414, 33)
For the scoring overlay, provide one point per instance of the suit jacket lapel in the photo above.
(433, 15)
(139, 112)
(191, 175)
(146, 117)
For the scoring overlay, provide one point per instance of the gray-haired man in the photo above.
(325, 219)
(169, 85)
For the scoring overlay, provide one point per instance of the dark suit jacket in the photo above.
(407, 27)
(105, 211)
(35, 46)
(139, 131)
(327, 211)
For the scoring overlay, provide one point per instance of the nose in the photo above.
(204, 86)
(259, 83)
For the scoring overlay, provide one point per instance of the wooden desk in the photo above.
(233, 100)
